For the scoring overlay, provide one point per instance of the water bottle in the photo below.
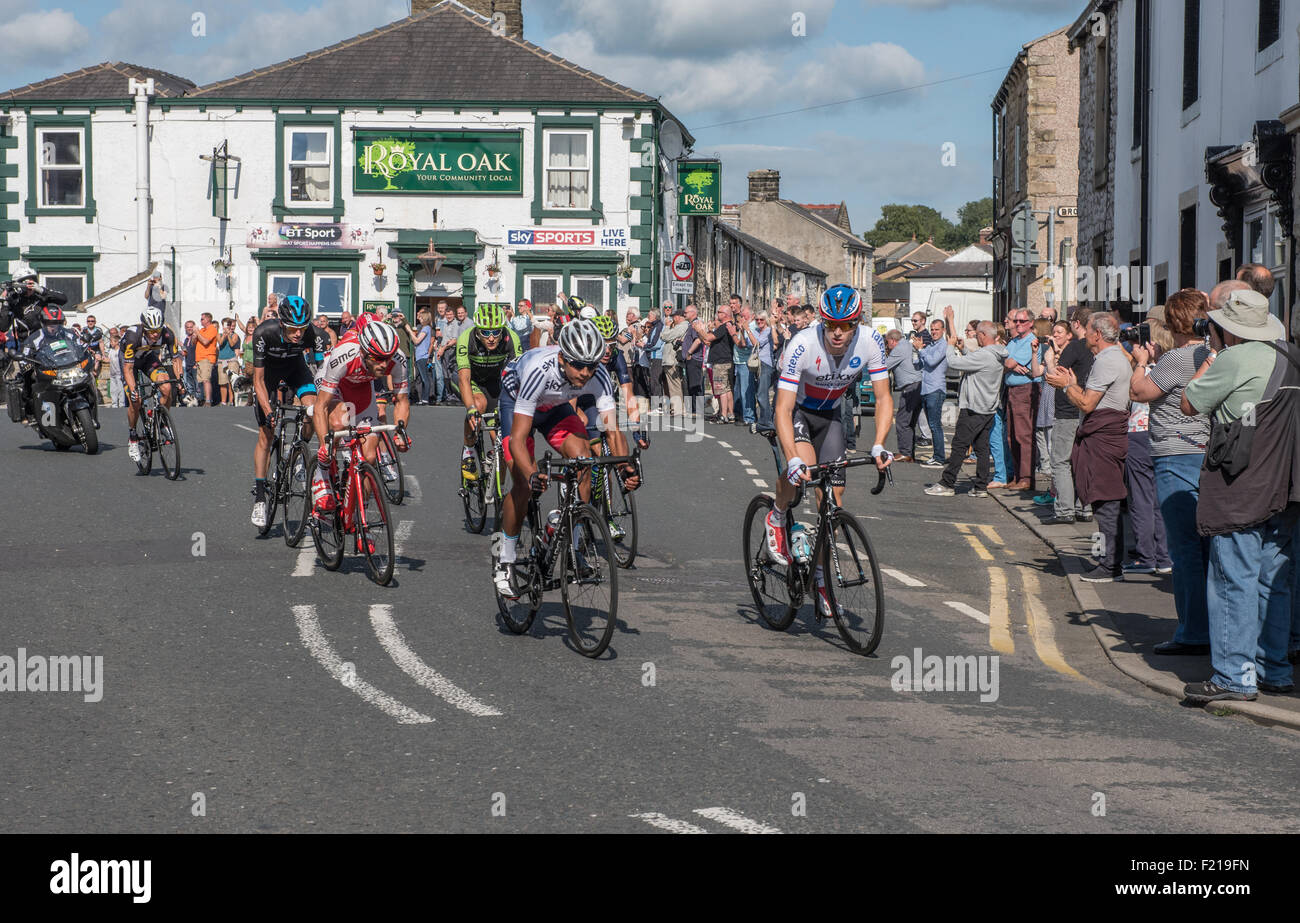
(799, 543)
(552, 523)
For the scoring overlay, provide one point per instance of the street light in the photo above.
(432, 260)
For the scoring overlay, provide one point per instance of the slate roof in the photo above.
(772, 254)
(961, 269)
(100, 81)
(855, 242)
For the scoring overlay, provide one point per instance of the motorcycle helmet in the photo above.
(51, 317)
(23, 273)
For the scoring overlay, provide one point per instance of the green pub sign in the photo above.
(441, 162)
(699, 187)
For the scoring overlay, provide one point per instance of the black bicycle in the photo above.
(159, 433)
(287, 485)
(572, 552)
(489, 487)
(851, 573)
(619, 506)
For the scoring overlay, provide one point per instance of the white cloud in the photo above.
(691, 28)
(46, 36)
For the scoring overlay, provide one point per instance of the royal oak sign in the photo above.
(699, 187)
(441, 162)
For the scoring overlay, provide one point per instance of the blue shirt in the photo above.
(1022, 351)
(422, 348)
(764, 338)
(934, 367)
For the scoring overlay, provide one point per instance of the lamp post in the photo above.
(431, 260)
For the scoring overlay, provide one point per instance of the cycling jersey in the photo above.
(485, 364)
(617, 368)
(820, 379)
(270, 348)
(535, 382)
(344, 374)
(137, 350)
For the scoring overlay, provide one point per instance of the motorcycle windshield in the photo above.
(59, 353)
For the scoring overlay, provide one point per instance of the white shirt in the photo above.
(821, 379)
(537, 383)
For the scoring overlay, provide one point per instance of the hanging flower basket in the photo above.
(626, 270)
(379, 268)
(221, 265)
(494, 270)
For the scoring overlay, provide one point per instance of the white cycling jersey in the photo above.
(821, 379)
(537, 383)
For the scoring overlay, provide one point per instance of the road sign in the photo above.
(1024, 236)
(1067, 211)
(683, 266)
(681, 288)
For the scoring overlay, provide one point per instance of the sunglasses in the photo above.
(842, 326)
(489, 334)
(583, 366)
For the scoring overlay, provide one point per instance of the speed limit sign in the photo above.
(683, 266)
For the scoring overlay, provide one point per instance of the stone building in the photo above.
(728, 261)
(838, 252)
(1094, 39)
(1035, 150)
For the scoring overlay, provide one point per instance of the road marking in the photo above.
(999, 618)
(991, 534)
(759, 482)
(667, 823)
(736, 454)
(751, 471)
(974, 542)
(400, 535)
(413, 489)
(381, 620)
(725, 445)
(901, 577)
(313, 638)
(1041, 631)
(729, 818)
(306, 558)
(967, 610)
(248, 428)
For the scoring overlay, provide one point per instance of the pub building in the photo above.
(440, 157)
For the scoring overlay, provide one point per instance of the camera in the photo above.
(1201, 327)
(1140, 334)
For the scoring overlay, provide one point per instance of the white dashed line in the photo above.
(751, 471)
(725, 445)
(381, 619)
(306, 557)
(413, 489)
(901, 577)
(736, 454)
(247, 428)
(967, 610)
(400, 535)
(664, 822)
(730, 818)
(315, 641)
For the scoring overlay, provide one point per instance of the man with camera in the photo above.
(1249, 496)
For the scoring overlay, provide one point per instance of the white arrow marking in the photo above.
(381, 619)
(667, 823)
(901, 577)
(730, 818)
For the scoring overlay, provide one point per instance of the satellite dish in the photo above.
(670, 140)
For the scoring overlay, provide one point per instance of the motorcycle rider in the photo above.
(50, 319)
(20, 303)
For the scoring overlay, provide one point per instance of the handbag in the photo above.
(753, 360)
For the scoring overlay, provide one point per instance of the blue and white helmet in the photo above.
(840, 303)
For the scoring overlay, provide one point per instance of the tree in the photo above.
(901, 222)
(971, 217)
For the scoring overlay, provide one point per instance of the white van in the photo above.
(966, 306)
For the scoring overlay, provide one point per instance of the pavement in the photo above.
(1130, 617)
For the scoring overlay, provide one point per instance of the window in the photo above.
(62, 168)
(1253, 239)
(285, 283)
(543, 290)
(591, 290)
(1187, 247)
(332, 292)
(1191, 51)
(73, 285)
(309, 166)
(568, 169)
(1270, 16)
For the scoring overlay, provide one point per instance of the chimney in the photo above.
(511, 9)
(764, 185)
(986, 235)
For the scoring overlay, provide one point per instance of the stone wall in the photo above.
(1096, 225)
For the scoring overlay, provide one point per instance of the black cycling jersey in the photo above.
(270, 348)
(137, 349)
(18, 305)
(485, 364)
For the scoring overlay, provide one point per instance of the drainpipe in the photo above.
(141, 90)
(175, 301)
(1144, 220)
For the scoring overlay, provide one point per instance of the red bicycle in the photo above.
(360, 506)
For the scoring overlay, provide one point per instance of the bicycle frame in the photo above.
(352, 485)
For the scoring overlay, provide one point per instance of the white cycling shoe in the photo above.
(259, 514)
(134, 451)
(776, 543)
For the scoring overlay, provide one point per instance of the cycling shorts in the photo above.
(296, 377)
(490, 398)
(555, 424)
(823, 430)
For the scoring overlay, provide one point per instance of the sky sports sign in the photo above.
(589, 238)
(443, 162)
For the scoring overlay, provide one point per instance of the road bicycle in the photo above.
(287, 484)
(360, 506)
(489, 486)
(619, 506)
(158, 432)
(390, 461)
(570, 551)
(839, 544)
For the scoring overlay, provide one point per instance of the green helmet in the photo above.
(606, 326)
(489, 316)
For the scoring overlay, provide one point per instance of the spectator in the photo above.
(272, 305)
(932, 351)
(977, 401)
(189, 369)
(651, 357)
(423, 340)
(1048, 314)
(116, 383)
(903, 361)
(719, 341)
(522, 323)
(693, 357)
(323, 323)
(970, 342)
(998, 437)
(1102, 440)
(205, 354)
(919, 329)
(768, 342)
(1022, 398)
(745, 375)
(155, 293)
(673, 332)
(228, 358)
(1248, 496)
(345, 322)
(1258, 277)
(1046, 399)
(1139, 474)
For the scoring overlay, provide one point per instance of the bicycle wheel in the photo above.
(169, 446)
(147, 440)
(472, 493)
(391, 461)
(589, 580)
(326, 528)
(374, 527)
(295, 496)
(620, 506)
(853, 584)
(272, 487)
(517, 614)
(776, 599)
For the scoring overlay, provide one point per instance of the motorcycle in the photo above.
(63, 404)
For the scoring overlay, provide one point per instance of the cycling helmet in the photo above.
(608, 329)
(840, 302)
(588, 313)
(580, 341)
(294, 311)
(377, 339)
(151, 320)
(573, 306)
(23, 272)
(52, 314)
(489, 317)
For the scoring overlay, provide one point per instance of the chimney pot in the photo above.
(764, 185)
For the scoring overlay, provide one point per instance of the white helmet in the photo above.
(587, 313)
(22, 272)
(151, 319)
(580, 341)
(378, 340)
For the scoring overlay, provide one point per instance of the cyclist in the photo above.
(482, 352)
(281, 350)
(535, 393)
(818, 365)
(145, 349)
(346, 389)
(616, 368)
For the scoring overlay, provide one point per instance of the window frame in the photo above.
(42, 278)
(284, 124)
(602, 280)
(550, 135)
(300, 277)
(316, 277)
(543, 125)
(65, 261)
(290, 163)
(32, 207)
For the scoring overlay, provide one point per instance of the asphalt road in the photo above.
(238, 696)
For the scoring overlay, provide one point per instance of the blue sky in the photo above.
(711, 61)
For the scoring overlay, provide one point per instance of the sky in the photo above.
(725, 69)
